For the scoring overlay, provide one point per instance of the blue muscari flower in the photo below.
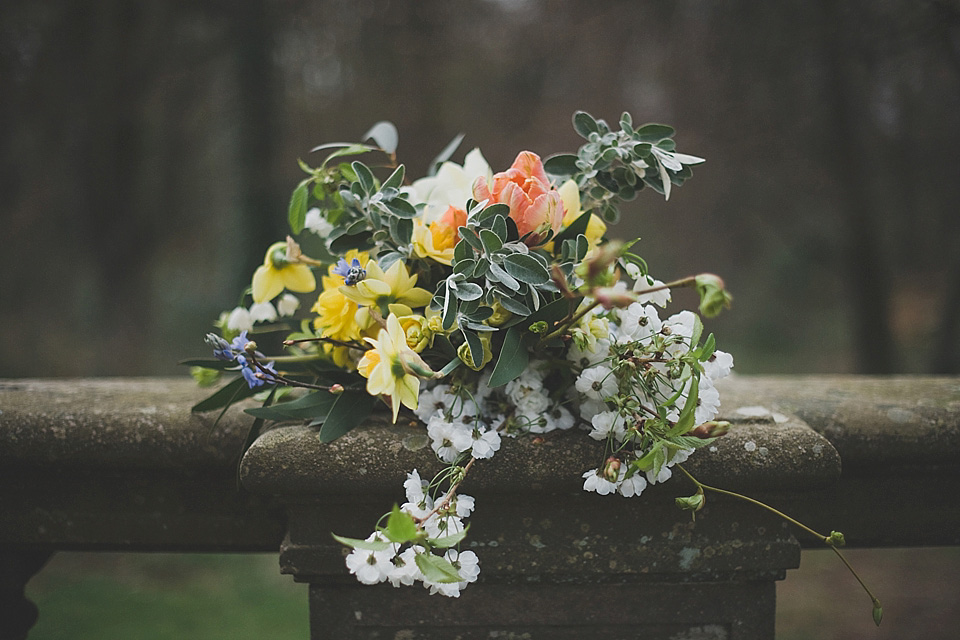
(352, 272)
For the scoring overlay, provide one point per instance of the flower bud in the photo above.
(611, 469)
(712, 429)
(691, 503)
(336, 389)
(713, 296)
(837, 539)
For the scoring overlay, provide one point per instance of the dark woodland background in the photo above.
(148, 150)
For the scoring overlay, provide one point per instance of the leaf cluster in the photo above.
(613, 166)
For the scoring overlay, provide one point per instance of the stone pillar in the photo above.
(555, 561)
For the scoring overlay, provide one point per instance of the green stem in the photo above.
(569, 323)
(827, 540)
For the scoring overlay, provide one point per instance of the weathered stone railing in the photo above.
(123, 465)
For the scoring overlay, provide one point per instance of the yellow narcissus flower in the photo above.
(438, 239)
(570, 195)
(388, 365)
(277, 273)
(335, 311)
(381, 289)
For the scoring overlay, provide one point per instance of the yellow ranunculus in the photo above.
(277, 274)
(387, 367)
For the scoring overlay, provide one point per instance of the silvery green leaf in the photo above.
(499, 275)
(465, 267)
(688, 159)
(514, 306)
(653, 133)
(526, 269)
(471, 238)
(500, 227)
(584, 124)
(385, 135)
(364, 177)
(469, 291)
(664, 179)
(444, 155)
(490, 240)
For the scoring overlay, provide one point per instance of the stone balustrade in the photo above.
(124, 465)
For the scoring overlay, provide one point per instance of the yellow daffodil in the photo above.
(335, 311)
(570, 195)
(388, 367)
(438, 239)
(277, 273)
(380, 289)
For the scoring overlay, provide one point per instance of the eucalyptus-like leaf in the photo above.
(584, 124)
(497, 274)
(513, 358)
(444, 155)
(395, 181)
(467, 291)
(526, 268)
(367, 182)
(653, 133)
(385, 135)
(490, 240)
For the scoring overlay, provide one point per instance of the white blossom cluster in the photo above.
(243, 319)
(602, 384)
(398, 565)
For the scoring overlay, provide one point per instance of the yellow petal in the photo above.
(570, 195)
(267, 283)
(415, 297)
(299, 278)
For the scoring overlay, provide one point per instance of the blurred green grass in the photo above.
(106, 596)
(113, 596)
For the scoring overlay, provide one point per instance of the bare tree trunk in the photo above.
(866, 273)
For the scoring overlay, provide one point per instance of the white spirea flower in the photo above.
(558, 417)
(263, 312)
(371, 567)
(708, 402)
(597, 483)
(718, 365)
(681, 327)
(639, 322)
(606, 423)
(288, 304)
(448, 439)
(463, 505)
(440, 526)
(415, 487)
(485, 443)
(632, 486)
(664, 475)
(467, 564)
(589, 354)
(659, 298)
(316, 223)
(597, 383)
(590, 408)
(239, 320)
(405, 570)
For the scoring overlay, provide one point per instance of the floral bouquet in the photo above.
(483, 305)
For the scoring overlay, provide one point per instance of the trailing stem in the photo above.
(834, 540)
